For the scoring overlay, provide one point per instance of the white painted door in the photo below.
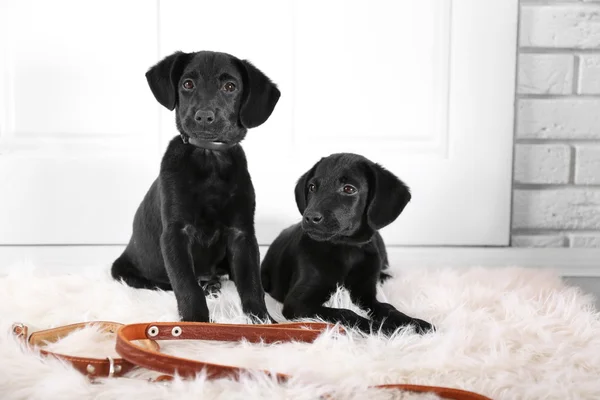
(426, 88)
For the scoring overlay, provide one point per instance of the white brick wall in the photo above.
(546, 73)
(542, 163)
(574, 25)
(556, 201)
(585, 240)
(558, 118)
(557, 208)
(587, 165)
(555, 240)
(589, 74)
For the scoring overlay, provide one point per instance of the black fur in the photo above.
(338, 243)
(197, 220)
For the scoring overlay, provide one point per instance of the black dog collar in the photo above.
(205, 144)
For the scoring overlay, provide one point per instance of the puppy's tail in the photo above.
(124, 270)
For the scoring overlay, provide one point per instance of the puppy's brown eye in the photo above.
(229, 87)
(349, 189)
(188, 84)
(312, 188)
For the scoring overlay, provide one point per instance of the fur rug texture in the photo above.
(507, 333)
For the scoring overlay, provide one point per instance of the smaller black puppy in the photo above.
(344, 200)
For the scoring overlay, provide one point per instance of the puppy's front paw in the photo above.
(258, 313)
(391, 324)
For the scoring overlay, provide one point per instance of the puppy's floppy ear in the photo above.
(388, 196)
(260, 97)
(301, 190)
(163, 78)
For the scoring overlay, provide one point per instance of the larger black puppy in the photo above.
(197, 219)
(344, 200)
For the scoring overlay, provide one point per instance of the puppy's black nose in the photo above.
(313, 217)
(205, 116)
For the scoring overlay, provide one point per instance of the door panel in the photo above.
(361, 78)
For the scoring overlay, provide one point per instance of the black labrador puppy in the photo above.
(196, 222)
(344, 199)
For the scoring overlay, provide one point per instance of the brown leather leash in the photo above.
(146, 354)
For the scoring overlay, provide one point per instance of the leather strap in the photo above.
(92, 367)
(186, 368)
(146, 352)
(154, 360)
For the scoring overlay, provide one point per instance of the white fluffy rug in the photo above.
(507, 333)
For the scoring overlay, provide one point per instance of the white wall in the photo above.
(556, 200)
